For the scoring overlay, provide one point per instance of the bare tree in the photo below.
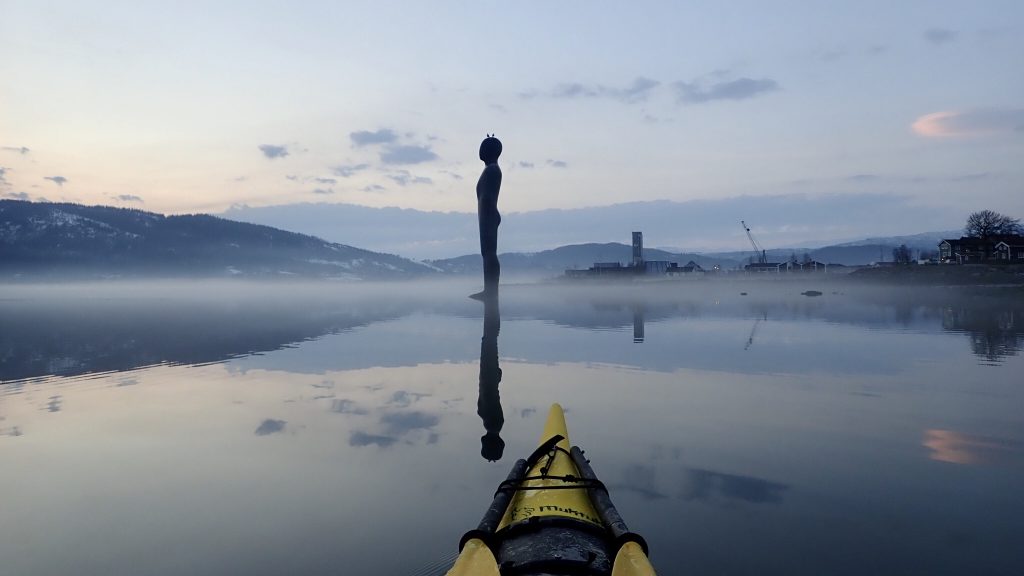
(987, 223)
(901, 255)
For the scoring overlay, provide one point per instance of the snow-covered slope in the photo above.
(47, 239)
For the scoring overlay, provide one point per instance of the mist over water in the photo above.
(232, 427)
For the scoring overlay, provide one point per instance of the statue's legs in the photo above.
(492, 268)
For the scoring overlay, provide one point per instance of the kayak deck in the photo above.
(549, 523)
(547, 490)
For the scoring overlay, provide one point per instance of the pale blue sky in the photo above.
(165, 106)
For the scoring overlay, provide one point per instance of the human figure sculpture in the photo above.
(487, 213)
(488, 403)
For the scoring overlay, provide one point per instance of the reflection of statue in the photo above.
(488, 404)
(638, 324)
(487, 212)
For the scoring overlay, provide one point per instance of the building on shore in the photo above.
(971, 249)
(638, 266)
(1011, 250)
(765, 267)
(787, 267)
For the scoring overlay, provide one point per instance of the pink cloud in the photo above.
(977, 122)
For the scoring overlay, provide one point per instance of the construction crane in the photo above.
(753, 331)
(762, 258)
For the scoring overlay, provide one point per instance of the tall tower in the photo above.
(638, 249)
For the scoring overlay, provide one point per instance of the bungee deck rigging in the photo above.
(552, 516)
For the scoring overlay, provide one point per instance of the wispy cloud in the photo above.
(407, 154)
(18, 196)
(270, 426)
(886, 180)
(323, 191)
(373, 188)
(863, 178)
(325, 180)
(939, 36)
(977, 122)
(19, 149)
(58, 180)
(359, 438)
(367, 137)
(404, 178)
(831, 54)
(347, 170)
(636, 91)
(391, 150)
(700, 91)
(523, 164)
(640, 479)
(399, 423)
(974, 177)
(711, 485)
(129, 198)
(404, 398)
(344, 406)
(557, 163)
(272, 151)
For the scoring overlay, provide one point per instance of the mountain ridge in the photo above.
(48, 239)
(42, 239)
(558, 260)
(586, 254)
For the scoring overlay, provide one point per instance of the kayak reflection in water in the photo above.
(488, 404)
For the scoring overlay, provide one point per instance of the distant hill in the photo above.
(685, 226)
(855, 253)
(922, 241)
(42, 239)
(846, 255)
(558, 260)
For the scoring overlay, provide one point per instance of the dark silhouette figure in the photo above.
(487, 212)
(488, 403)
(638, 324)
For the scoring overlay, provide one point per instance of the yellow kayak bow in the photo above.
(552, 516)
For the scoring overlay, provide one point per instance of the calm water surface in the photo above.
(234, 429)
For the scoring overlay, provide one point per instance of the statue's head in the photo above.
(490, 149)
(492, 446)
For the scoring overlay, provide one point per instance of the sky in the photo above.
(200, 106)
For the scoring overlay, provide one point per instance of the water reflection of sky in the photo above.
(781, 346)
(959, 448)
(831, 443)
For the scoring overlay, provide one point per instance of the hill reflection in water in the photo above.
(72, 331)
